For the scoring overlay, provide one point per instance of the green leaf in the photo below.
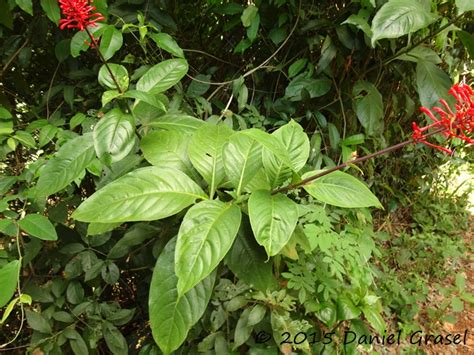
(79, 42)
(247, 260)
(157, 101)
(464, 6)
(114, 339)
(167, 149)
(9, 274)
(360, 22)
(296, 143)
(248, 15)
(199, 86)
(8, 310)
(242, 157)
(432, 83)
(314, 87)
(273, 219)
(368, 104)
(114, 136)
(135, 236)
(167, 43)
(297, 67)
(109, 96)
(327, 314)
(78, 345)
(68, 164)
(178, 122)
(205, 236)
(171, 317)
(75, 292)
(397, 18)
(334, 136)
(51, 8)
(374, 318)
(346, 309)
(163, 76)
(6, 182)
(145, 194)
(467, 40)
(6, 17)
(421, 53)
(38, 226)
(119, 72)
(110, 42)
(38, 322)
(205, 153)
(25, 5)
(341, 189)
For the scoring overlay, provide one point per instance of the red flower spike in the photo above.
(79, 14)
(453, 125)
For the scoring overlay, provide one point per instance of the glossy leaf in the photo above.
(26, 5)
(171, 317)
(110, 42)
(51, 8)
(273, 219)
(163, 76)
(205, 236)
(178, 122)
(205, 153)
(145, 194)
(242, 158)
(342, 190)
(296, 143)
(368, 107)
(8, 279)
(167, 43)
(114, 136)
(68, 164)
(397, 18)
(432, 83)
(38, 226)
(119, 73)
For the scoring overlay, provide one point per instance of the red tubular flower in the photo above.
(457, 124)
(79, 14)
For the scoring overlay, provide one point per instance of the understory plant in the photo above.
(244, 229)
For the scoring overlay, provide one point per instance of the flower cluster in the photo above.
(79, 14)
(457, 124)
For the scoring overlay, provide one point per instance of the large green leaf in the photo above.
(464, 6)
(302, 86)
(273, 219)
(51, 8)
(38, 226)
(397, 18)
(114, 136)
(341, 189)
(119, 72)
(178, 122)
(68, 164)
(145, 194)
(80, 41)
(368, 105)
(249, 262)
(432, 83)
(296, 143)
(163, 76)
(167, 149)
(205, 152)
(8, 280)
(171, 317)
(167, 43)
(110, 42)
(205, 236)
(242, 156)
(26, 5)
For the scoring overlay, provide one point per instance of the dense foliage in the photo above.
(152, 158)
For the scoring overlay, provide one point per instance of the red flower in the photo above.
(78, 14)
(457, 124)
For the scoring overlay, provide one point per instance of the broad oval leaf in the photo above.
(342, 190)
(368, 104)
(242, 157)
(145, 194)
(177, 122)
(110, 41)
(248, 260)
(163, 76)
(51, 8)
(205, 153)
(114, 136)
(464, 6)
(38, 226)
(296, 143)
(167, 43)
(167, 149)
(397, 18)
(68, 164)
(273, 219)
(119, 72)
(8, 280)
(171, 317)
(205, 236)
(432, 83)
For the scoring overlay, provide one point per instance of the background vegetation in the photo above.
(351, 74)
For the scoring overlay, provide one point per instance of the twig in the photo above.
(7, 64)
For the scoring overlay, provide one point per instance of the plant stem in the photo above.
(96, 46)
(348, 163)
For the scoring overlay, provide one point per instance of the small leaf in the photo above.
(9, 274)
(297, 67)
(167, 43)
(51, 8)
(248, 15)
(114, 339)
(163, 76)
(38, 226)
(341, 189)
(368, 107)
(110, 41)
(26, 5)
(374, 318)
(119, 72)
(38, 322)
(205, 236)
(432, 83)
(273, 219)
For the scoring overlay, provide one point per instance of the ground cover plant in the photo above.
(225, 177)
